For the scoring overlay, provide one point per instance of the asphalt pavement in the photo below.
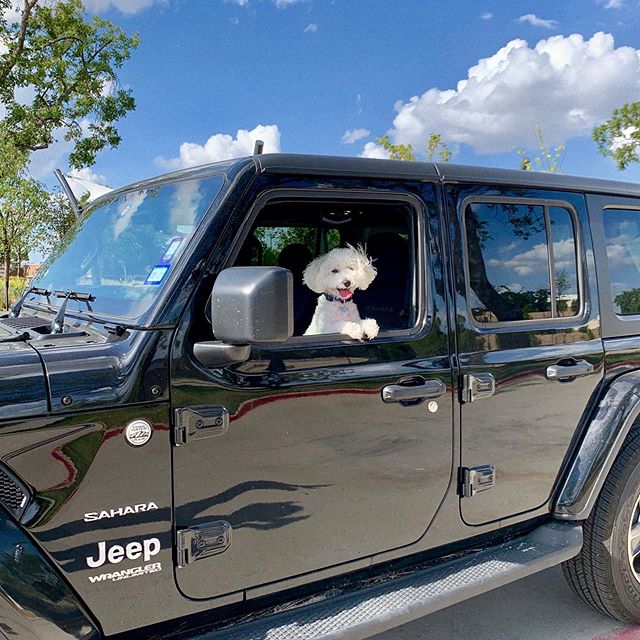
(541, 607)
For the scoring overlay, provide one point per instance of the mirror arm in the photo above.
(214, 355)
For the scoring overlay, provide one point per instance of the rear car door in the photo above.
(529, 342)
(307, 471)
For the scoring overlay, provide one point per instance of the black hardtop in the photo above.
(431, 171)
(344, 166)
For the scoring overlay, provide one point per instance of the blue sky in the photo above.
(306, 75)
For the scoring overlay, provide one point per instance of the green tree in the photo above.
(397, 151)
(628, 301)
(436, 149)
(58, 78)
(549, 161)
(21, 203)
(619, 137)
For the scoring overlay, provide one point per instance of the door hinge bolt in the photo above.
(475, 480)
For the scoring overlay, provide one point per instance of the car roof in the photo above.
(319, 165)
(430, 171)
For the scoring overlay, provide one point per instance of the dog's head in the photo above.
(340, 272)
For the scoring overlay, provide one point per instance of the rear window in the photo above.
(521, 261)
(622, 236)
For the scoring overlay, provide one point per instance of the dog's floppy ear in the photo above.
(311, 275)
(366, 267)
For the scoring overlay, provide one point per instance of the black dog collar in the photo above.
(332, 298)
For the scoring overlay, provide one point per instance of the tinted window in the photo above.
(522, 264)
(565, 264)
(622, 235)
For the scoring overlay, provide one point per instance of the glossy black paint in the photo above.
(615, 417)
(23, 391)
(130, 369)
(36, 601)
(525, 429)
(80, 464)
(310, 494)
(315, 469)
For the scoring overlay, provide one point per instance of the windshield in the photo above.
(124, 251)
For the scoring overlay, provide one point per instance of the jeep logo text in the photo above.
(145, 549)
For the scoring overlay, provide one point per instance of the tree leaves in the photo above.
(619, 137)
(67, 65)
(436, 148)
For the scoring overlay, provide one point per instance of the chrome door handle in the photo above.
(403, 392)
(565, 372)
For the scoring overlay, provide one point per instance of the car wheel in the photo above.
(606, 572)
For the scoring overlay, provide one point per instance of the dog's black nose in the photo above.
(347, 283)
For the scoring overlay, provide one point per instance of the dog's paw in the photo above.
(370, 329)
(352, 329)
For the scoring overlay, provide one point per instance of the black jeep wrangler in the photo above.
(177, 459)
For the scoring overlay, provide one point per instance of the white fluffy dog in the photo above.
(336, 275)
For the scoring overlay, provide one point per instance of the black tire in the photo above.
(602, 573)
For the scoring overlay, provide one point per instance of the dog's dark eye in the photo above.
(335, 271)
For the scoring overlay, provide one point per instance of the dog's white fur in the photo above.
(349, 269)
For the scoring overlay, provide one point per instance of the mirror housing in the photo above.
(252, 305)
(249, 305)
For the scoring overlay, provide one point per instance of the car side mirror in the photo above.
(249, 305)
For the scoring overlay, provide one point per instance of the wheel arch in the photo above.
(615, 416)
(36, 603)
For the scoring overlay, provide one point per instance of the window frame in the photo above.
(613, 324)
(546, 205)
(420, 258)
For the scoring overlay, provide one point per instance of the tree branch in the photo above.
(22, 34)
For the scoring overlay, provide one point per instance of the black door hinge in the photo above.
(202, 541)
(472, 480)
(195, 423)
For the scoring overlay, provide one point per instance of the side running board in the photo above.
(373, 609)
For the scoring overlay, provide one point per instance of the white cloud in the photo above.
(43, 162)
(567, 85)
(628, 137)
(222, 146)
(128, 7)
(533, 20)
(535, 259)
(525, 263)
(487, 15)
(88, 174)
(353, 135)
(281, 4)
(311, 28)
(373, 150)
(13, 12)
(55, 156)
(613, 4)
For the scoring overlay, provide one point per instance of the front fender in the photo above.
(614, 418)
(35, 602)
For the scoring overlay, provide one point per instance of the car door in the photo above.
(302, 468)
(528, 333)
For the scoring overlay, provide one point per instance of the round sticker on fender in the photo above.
(138, 432)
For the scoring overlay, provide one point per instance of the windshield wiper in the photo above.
(17, 307)
(57, 326)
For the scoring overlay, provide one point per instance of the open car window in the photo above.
(291, 234)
